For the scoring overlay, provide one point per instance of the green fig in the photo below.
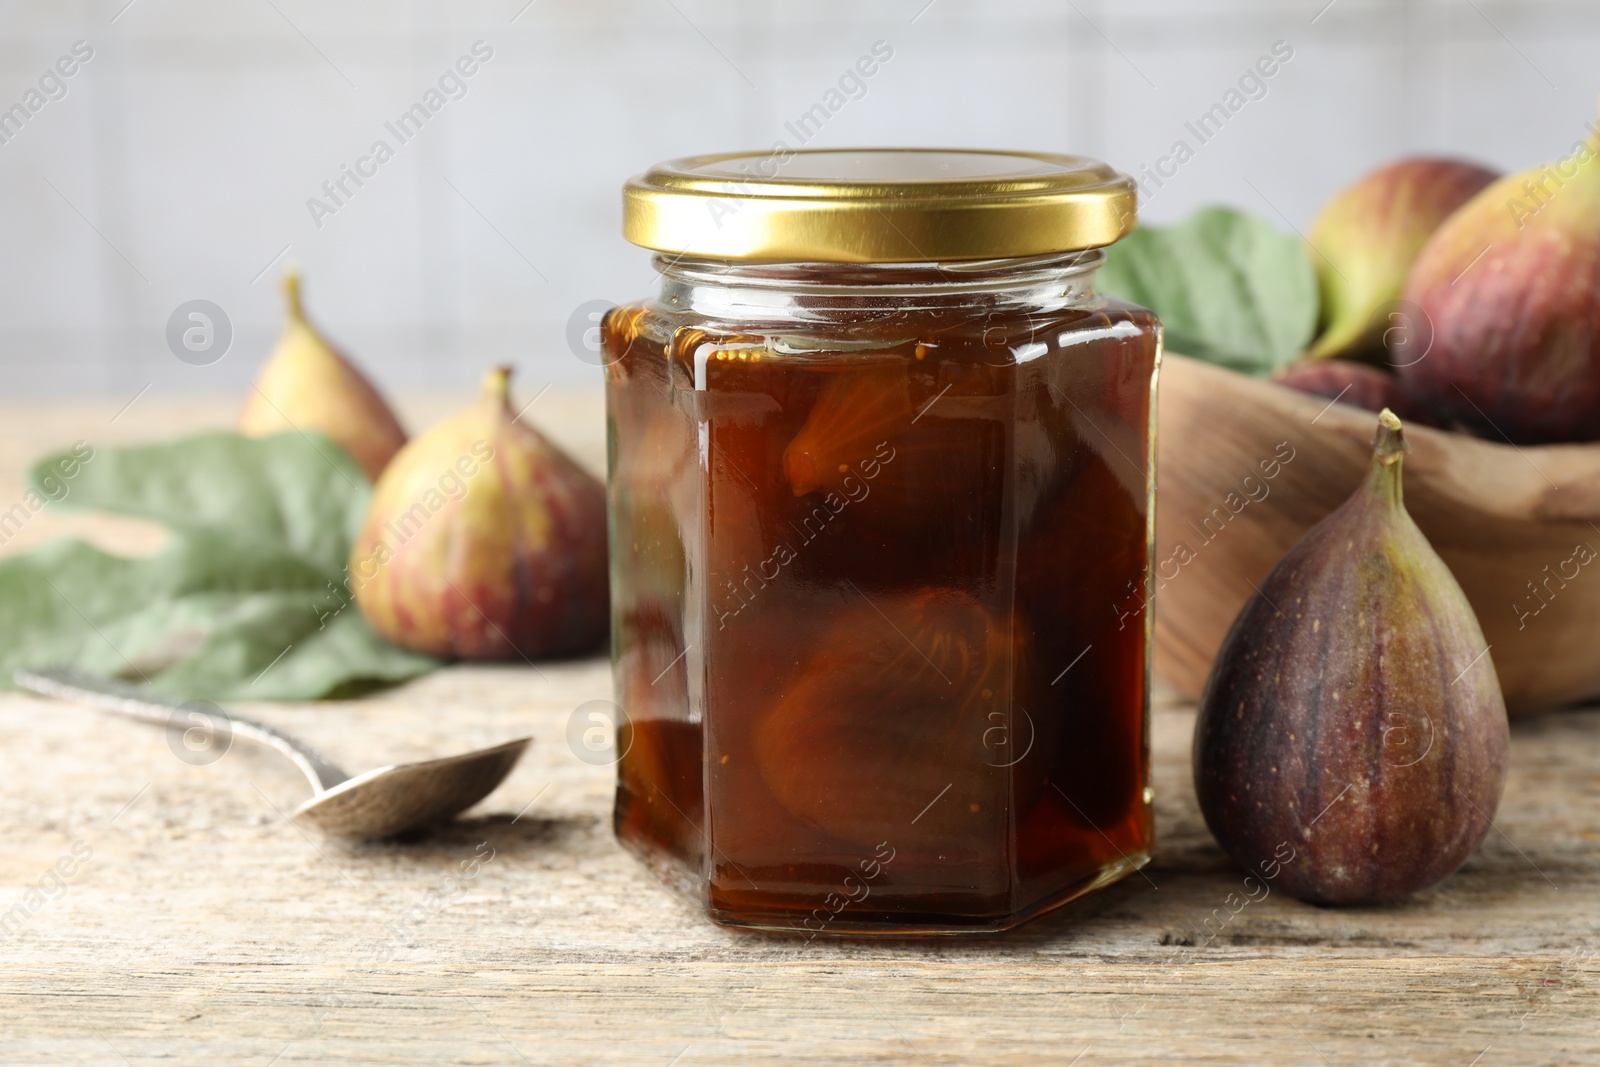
(1367, 237)
(1510, 285)
(307, 385)
(484, 541)
(1352, 737)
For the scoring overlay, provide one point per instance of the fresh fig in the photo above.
(307, 385)
(1511, 288)
(484, 541)
(1358, 384)
(1367, 237)
(1352, 736)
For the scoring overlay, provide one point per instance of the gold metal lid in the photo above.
(877, 205)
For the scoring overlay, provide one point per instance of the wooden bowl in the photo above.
(1246, 467)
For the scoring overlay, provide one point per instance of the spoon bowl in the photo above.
(406, 796)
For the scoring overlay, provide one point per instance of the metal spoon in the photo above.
(381, 802)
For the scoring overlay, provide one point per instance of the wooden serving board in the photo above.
(198, 926)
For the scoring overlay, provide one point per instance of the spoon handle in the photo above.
(160, 709)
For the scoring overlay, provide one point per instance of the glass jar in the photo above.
(881, 504)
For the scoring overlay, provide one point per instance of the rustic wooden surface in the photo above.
(205, 929)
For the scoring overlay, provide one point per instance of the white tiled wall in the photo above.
(179, 163)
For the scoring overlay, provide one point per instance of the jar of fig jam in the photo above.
(881, 478)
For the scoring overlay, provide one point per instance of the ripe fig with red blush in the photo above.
(485, 541)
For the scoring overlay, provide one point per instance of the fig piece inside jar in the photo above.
(889, 721)
(1082, 579)
(921, 439)
(853, 412)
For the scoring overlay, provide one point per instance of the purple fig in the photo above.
(485, 541)
(1358, 384)
(307, 385)
(1511, 287)
(1366, 238)
(1352, 737)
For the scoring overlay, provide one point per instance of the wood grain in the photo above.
(205, 929)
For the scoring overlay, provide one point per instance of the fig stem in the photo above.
(291, 293)
(497, 383)
(1388, 447)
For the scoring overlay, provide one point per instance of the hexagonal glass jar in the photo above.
(880, 539)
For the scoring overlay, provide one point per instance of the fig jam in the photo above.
(881, 481)
(880, 630)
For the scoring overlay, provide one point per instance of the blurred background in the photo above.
(186, 156)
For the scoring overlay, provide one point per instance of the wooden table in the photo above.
(197, 926)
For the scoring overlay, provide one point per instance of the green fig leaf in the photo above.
(245, 602)
(1230, 289)
(292, 492)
